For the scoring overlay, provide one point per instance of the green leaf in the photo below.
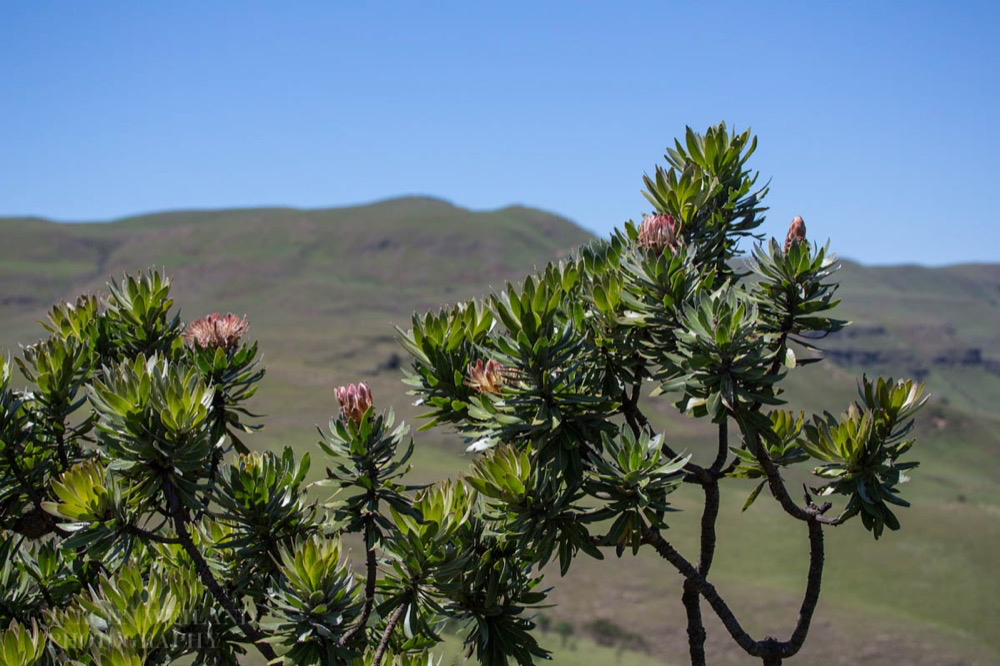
(753, 495)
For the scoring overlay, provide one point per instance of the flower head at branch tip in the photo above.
(354, 401)
(659, 232)
(486, 377)
(215, 331)
(796, 233)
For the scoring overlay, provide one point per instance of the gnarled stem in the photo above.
(690, 598)
(811, 512)
(769, 648)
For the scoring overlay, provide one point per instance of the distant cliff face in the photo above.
(939, 324)
(859, 350)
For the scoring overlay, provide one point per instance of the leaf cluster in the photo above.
(136, 526)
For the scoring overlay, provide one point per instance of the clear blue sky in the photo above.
(878, 121)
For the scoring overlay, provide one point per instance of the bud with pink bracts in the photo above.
(486, 377)
(354, 401)
(659, 232)
(215, 331)
(796, 233)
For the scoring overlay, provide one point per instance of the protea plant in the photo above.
(216, 331)
(658, 233)
(136, 527)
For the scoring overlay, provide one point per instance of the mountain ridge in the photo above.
(404, 235)
(404, 199)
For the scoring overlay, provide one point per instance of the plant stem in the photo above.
(208, 579)
(372, 572)
(777, 486)
(150, 536)
(706, 589)
(636, 420)
(60, 433)
(695, 624)
(813, 582)
(690, 598)
(768, 648)
(723, 452)
(34, 524)
(383, 644)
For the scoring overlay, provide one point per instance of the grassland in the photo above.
(323, 289)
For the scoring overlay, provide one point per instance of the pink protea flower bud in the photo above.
(486, 378)
(216, 331)
(354, 401)
(796, 233)
(658, 232)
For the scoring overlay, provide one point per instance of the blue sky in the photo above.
(877, 121)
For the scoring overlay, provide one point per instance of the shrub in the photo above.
(138, 527)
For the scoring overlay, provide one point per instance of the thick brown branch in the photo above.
(630, 403)
(390, 626)
(778, 489)
(723, 452)
(632, 414)
(813, 583)
(708, 518)
(774, 481)
(695, 624)
(372, 573)
(690, 598)
(769, 649)
(706, 589)
(208, 579)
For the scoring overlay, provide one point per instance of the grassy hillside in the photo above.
(323, 288)
(942, 325)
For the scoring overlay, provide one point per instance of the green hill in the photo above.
(323, 288)
(940, 324)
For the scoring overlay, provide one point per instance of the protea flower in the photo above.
(354, 401)
(659, 232)
(796, 233)
(216, 331)
(486, 378)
